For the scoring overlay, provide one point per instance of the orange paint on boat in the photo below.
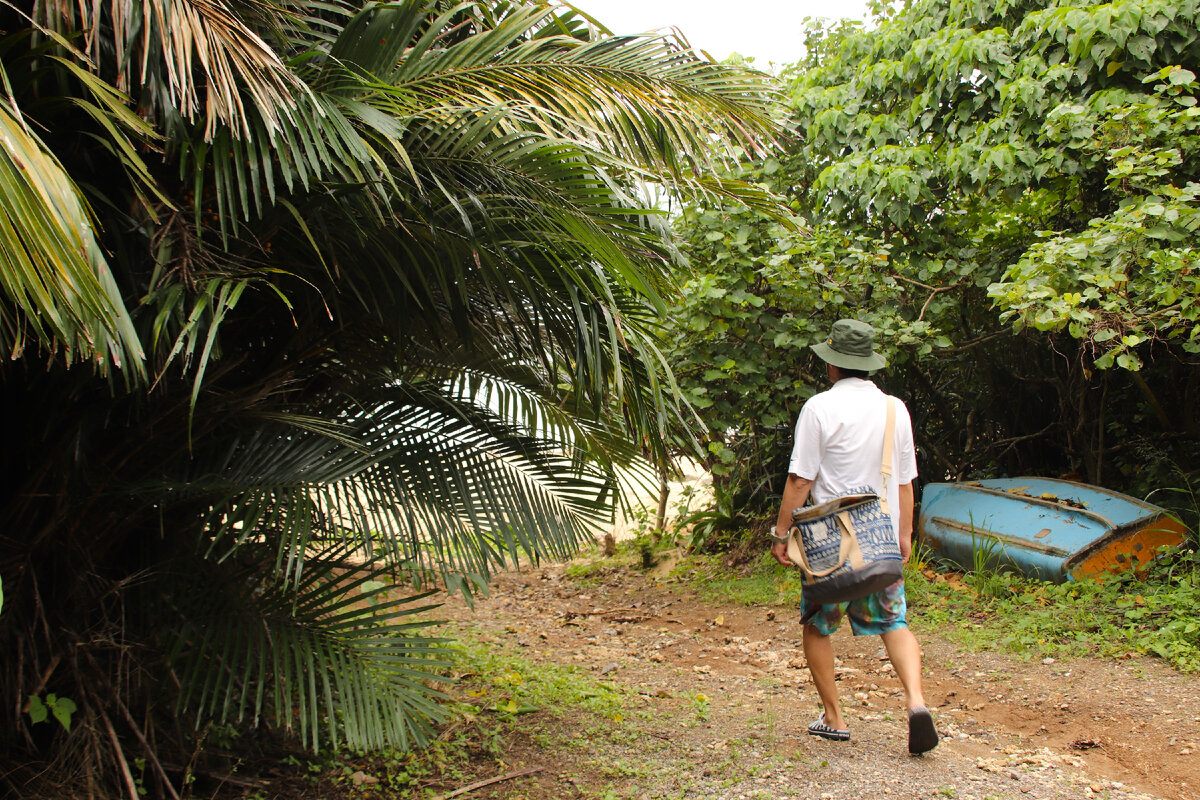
(1118, 553)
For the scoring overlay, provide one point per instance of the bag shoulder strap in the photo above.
(889, 439)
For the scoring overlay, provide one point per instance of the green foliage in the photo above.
(1152, 614)
(700, 705)
(498, 696)
(764, 582)
(508, 684)
(1128, 278)
(717, 527)
(1007, 191)
(61, 708)
(735, 342)
(335, 644)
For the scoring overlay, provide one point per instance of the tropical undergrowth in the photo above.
(501, 702)
(1116, 616)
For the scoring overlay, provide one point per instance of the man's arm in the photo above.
(795, 493)
(906, 520)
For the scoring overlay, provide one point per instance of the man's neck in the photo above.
(836, 374)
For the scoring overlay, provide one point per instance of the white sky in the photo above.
(769, 30)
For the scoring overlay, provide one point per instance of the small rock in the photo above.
(612, 666)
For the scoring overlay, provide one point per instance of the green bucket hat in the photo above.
(850, 346)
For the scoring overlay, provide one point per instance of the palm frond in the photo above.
(402, 79)
(436, 478)
(400, 300)
(334, 658)
(192, 59)
(57, 284)
(649, 99)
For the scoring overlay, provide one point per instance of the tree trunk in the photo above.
(664, 493)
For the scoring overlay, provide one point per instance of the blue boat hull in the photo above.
(1044, 528)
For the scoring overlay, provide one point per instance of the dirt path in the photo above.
(732, 698)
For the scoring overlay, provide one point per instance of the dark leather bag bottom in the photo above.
(847, 585)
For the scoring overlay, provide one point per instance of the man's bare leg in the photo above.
(818, 651)
(905, 655)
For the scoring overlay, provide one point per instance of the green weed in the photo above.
(508, 684)
(585, 572)
(500, 695)
(764, 582)
(1114, 616)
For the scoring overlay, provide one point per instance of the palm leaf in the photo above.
(193, 58)
(334, 658)
(437, 479)
(644, 106)
(56, 282)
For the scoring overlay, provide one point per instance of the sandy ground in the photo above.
(692, 492)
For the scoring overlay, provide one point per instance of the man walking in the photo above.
(838, 448)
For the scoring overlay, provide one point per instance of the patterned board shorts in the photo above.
(872, 615)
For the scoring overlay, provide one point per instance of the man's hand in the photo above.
(779, 550)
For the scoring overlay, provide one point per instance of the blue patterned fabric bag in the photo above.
(846, 548)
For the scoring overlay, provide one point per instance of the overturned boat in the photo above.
(1044, 528)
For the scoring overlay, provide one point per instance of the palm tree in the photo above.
(369, 296)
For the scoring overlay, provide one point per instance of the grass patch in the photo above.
(764, 581)
(590, 566)
(503, 682)
(1113, 617)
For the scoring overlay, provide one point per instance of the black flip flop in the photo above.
(922, 735)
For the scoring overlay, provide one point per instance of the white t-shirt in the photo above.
(839, 443)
